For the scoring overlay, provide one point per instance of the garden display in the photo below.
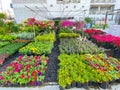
(37, 48)
(46, 37)
(73, 45)
(9, 50)
(7, 37)
(24, 35)
(25, 70)
(68, 35)
(33, 54)
(86, 68)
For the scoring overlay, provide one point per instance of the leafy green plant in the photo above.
(24, 35)
(88, 20)
(46, 37)
(4, 43)
(87, 67)
(11, 48)
(73, 45)
(65, 30)
(68, 35)
(37, 48)
(7, 37)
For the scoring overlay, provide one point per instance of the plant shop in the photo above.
(35, 52)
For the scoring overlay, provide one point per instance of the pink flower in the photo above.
(67, 23)
(1, 78)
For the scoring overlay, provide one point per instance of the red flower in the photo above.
(22, 75)
(32, 83)
(47, 61)
(34, 73)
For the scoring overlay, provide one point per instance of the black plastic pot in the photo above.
(73, 84)
(85, 85)
(104, 85)
(79, 85)
(95, 84)
(90, 83)
(68, 86)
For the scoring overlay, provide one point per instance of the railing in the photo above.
(103, 1)
(97, 12)
(28, 1)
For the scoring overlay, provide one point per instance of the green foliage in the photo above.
(4, 43)
(2, 16)
(68, 35)
(65, 30)
(85, 68)
(24, 35)
(88, 20)
(15, 28)
(11, 48)
(73, 45)
(46, 37)
(7, 37)
(37, 48)
(81, 32)
(3, 30)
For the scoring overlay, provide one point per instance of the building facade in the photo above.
(52, 9)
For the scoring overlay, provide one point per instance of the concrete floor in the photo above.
(56, 87)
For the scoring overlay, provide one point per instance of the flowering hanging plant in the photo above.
(25, 70)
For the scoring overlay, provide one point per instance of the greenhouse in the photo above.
(60, 45)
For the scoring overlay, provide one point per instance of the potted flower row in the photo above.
(84, 70)
(25, 70)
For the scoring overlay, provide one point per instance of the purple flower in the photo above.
(37, 83)
(39, 73)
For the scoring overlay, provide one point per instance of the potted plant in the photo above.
(88, 21)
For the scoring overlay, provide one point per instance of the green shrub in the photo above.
(68, 35)
(46, 37)
(11, 48)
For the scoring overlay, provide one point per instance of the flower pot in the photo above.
(85, 85)
(118, 80)
(88, 25)
(73, 84)
(95, 84)
(68, 87)
(90, 83)
(104, 85)
(78, 85)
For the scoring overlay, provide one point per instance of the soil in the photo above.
(51, 72)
